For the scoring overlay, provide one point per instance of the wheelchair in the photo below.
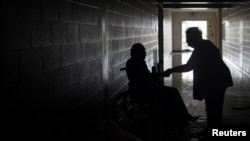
(130, 112)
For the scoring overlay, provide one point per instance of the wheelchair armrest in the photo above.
(122, 69)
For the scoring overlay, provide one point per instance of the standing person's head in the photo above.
(138, 51)
(193, 36)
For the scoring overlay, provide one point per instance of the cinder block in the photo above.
(47, 88)
(117, 32)
(114, 86)
(51, 58)
(115, 19)
(128, 42)
(89, 50)
(9, 9)
(89, 33)
(109, 17)
(77, 11)
(93, 33)
(116, 58)
(31, 62)
(79, 53)
(84, 33)
(15, 35)
(75, 75)
(67, 55)
(126, 54)
(128, 21)
(91, 85)
(90, 16)
(9, 67)
(74, 94)
(79, 17)
(30, 9)
(62, 80)
(59, 34)
(117, 45)
(73, 33)
(138, 31)
(98, 49)
(28, 91)
(96, 66)
(137, 22)
(129, 32)
(66, 12)
(99, 81)
(41, 34)
(138, 39)
(85, 71)
(50, 10)
(93, 3)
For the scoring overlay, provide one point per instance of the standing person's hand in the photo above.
(167, 73)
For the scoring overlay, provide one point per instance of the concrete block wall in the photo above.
(236, 46)
(236, 35)
(56, 54)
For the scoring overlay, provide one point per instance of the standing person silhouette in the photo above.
(211, 76)
(149, 90)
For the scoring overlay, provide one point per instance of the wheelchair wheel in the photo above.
(128, 113)
(122, 109)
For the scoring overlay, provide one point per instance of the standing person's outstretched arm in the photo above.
(181, 68)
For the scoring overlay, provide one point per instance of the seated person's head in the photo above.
(138, 51)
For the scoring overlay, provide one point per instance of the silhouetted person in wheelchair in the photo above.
(148, 88)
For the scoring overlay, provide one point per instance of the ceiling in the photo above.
(198, 3)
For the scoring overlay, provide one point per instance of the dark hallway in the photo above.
(61, 60)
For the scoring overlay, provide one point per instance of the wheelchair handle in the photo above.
(154, 71)
(122, 69)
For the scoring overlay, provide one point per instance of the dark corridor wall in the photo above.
(57, 54)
